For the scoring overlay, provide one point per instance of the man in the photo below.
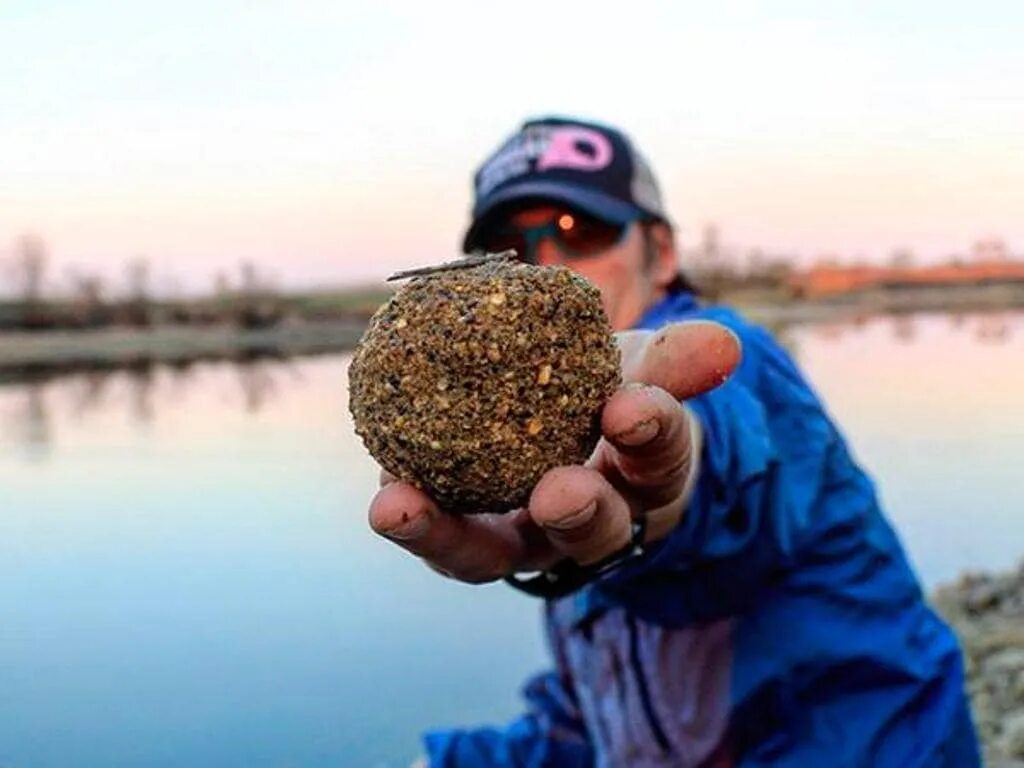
(721, 586)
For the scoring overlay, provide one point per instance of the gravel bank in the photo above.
(987, 612)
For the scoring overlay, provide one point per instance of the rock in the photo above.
(1005, 662)
(982, 597)
(1011, 741)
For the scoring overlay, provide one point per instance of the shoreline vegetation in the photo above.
(48, 325)
(163, 333)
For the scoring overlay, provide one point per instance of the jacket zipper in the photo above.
(645, 698)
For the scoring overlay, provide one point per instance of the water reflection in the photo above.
(931, 406)
(994, 329)
(25, 408)
(137, 388)
(989, 327)
(184, 552)
(27, 422)
(903, 329)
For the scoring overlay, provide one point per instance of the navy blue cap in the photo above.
(586, 165)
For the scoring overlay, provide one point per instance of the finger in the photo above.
(386, 478)
(685, 359)
(584, 517)
(648, 433)
(471, 548)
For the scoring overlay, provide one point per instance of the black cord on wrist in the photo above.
(567, 576)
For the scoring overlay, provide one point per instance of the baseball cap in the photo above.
(587, 165)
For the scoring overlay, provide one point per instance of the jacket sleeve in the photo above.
(775, 476)
(550, 733)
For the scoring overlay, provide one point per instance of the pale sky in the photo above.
(332, 142)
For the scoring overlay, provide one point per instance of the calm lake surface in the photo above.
(187, 578)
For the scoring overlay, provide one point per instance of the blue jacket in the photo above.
(779, 625)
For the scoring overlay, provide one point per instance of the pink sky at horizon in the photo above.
(331, 147)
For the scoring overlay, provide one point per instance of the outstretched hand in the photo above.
(641, 466)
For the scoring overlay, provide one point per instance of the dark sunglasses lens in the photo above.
(583, 235)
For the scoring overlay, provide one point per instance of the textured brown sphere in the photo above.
(472, 382)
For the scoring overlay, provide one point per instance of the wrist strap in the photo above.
(566, 576)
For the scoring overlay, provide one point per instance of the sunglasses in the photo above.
(576, 235)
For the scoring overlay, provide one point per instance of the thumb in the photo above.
(685, 359)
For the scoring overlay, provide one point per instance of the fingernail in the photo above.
(640, 433)
(409, 528)
(575, 520)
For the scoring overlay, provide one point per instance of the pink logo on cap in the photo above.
(565, 150)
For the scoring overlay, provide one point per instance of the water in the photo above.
(187, 578)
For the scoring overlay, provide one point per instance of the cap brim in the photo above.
(595, 203)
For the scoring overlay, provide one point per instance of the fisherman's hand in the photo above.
(642, 466)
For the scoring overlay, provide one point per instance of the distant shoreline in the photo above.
(172, 344)
(55, 351)
(882, 302)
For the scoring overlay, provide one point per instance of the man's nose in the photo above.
(546, 253)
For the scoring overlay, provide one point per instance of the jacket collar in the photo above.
(671, 308)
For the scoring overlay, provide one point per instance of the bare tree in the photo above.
(87, 298)
(221, 286)
(88, 289)
(29, 266)
(902, 258)
(990, 249)
(137, 308)
(250, 280)
(258, 303)
(710, 242)
(756, 262)
(137, 279)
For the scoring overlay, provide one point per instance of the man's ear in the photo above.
(663, 257)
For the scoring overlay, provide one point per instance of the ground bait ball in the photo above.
(472, 382)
